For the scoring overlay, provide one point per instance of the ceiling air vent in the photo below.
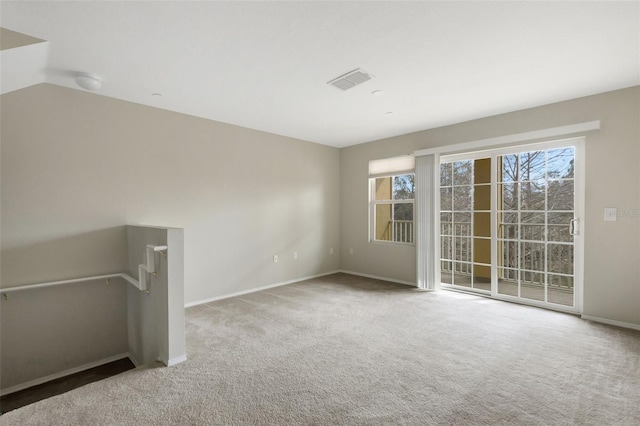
(350, 79)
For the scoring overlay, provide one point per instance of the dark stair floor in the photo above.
(63, 384)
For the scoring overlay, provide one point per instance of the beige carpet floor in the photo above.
(345, 350)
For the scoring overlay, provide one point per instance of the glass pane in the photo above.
(481, 277)
(560, 163)
(509, 196)
(383, 222)
(508, 232)
(446, 174)
(462, 224)
(445, 247)
(463, 218)
(403, 212)
(461, 229)
(462, 249)
(446, 273)
(532, 166)
(482, 197)
(508, 225)
(462, 274)
(403, 222)
(532, 285)
(560, 290)
(482, 224)
(559, 226)
(509, 217)
(462, 198)
(482, 251)
(532, 256)
(532, 226)
(446, 199)
(482, 171)
(446, 227)
(509, 251)
(509, 169)
(463, 172)
(532, 195)
(560, 195)
(383, 188)
(403, 187)
(560, 259)
(508, 281)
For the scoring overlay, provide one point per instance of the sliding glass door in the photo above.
(509, 223)
(465, 223)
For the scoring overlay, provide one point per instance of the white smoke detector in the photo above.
(350, 79)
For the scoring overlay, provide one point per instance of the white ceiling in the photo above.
(265, 65)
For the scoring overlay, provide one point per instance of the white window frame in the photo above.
(578, 143)
(428, 205)
(372, 210)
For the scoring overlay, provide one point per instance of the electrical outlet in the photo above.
(295, 255)
(331, 250)
(351, 250)
(275, 258)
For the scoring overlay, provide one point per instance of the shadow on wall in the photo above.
(98, 252)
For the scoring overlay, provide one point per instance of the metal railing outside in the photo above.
(533, 261)
(402, 231)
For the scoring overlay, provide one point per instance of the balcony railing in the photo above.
(403, 231)
(532, 261)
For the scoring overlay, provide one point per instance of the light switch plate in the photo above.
(610, 214)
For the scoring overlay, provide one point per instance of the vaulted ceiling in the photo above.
(265, 65)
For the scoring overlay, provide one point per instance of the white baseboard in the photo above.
(133, 360)
(173, 361)
(375, 277)
(612, 322)
(253, 290)
(176, 360)
(64, 373)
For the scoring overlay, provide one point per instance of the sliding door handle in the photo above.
(573, 227)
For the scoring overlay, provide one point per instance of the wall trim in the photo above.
(253, 290)
(611, 322)
(133, 360)
(176, 360)
(511, 139)
(65, 373)
(376, 277)
(173, 361)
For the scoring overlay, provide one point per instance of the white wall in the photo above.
(76, 167)
(50, 330)
(612, 249)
